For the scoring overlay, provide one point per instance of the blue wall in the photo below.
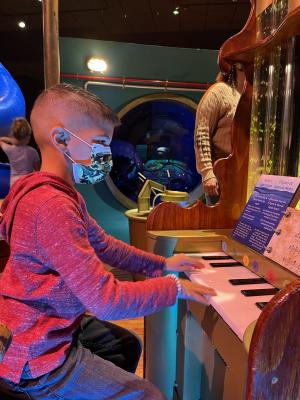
(131, 61)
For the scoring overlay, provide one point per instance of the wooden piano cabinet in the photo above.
(193, 353)
(221, 359)
(182, 359)
(274, 357)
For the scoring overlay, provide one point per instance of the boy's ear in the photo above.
(60, 138)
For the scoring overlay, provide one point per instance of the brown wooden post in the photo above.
(51, 43)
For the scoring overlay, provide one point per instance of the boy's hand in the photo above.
(182, 262)
(195, 291)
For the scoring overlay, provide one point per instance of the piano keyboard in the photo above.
(238, 304)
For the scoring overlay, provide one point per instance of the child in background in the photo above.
(23, 159)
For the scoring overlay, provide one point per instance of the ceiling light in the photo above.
(96, 64)
(21, 24)
(176, 11)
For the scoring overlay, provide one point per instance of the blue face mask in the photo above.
(100, 166)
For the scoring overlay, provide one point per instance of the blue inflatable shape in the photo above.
(12, 103)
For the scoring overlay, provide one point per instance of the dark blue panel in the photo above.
(4, 179)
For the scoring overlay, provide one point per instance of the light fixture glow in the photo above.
(21, 24)
(96, 64)
(176, 11)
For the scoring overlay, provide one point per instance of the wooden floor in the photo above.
(136, 325)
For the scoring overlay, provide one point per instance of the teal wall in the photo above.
(131, 61)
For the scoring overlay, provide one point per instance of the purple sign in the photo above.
(265, 208)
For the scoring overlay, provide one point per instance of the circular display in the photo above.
(255, 266)
(246, 260)
(224, 246)
(155, 139)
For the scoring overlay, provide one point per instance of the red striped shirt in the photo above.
(55, 274)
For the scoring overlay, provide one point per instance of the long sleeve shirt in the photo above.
(55, 274)
(23, 159)
(214, 117)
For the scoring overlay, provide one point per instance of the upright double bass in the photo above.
(231, 172)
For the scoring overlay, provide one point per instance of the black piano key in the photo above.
(259, 292)
(225, 264)
(247, 281)
(261, 304)
(217, 258)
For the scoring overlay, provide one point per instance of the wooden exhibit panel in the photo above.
(232, 177)
(261, 5)
(231, 172)
(231, 49)
(289, 27)
(284, 247)
(293, 4)
(209, 352)
(274, 357)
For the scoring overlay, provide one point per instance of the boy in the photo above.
(55, 272)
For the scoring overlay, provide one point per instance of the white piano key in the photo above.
(216, 253)
(237, 310)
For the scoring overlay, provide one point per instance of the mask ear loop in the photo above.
(69, 157)
(77, 137)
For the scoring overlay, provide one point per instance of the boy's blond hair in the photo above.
(77, 98)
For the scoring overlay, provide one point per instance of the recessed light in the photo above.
(21, 24)
(96, 64)
(176, 11)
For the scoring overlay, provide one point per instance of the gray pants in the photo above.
(87, 376)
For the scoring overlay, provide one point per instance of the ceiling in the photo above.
(199, 24)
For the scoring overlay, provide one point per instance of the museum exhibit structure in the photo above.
(244, 345)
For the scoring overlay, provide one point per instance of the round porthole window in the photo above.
(155, 138)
